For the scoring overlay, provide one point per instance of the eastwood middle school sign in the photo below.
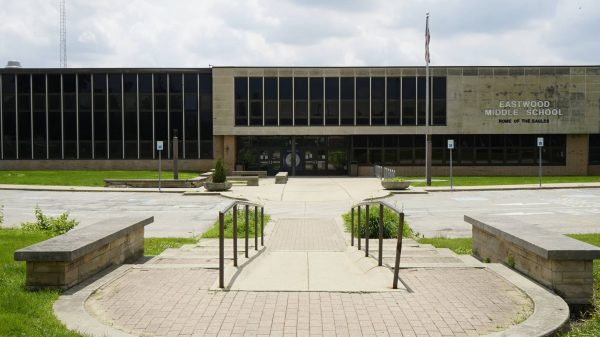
(531, 111)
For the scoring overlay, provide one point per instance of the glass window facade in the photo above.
(470, 150)
(330, 101)
(90, 115)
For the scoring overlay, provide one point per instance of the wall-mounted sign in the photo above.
(524, 112)
(524, 108)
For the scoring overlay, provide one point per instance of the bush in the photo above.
(53, 226)
(390, 223)
(219, 176)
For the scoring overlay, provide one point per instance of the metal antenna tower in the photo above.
(63, 34)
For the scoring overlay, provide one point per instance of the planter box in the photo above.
(215, 187)
(395, 185)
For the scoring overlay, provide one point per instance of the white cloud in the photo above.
(178, 33)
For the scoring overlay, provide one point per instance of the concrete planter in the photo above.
(395, 185)
(216, 187)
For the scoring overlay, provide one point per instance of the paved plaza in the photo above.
(308, 280)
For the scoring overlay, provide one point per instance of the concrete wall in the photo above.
(470, 91)
(571, 279)
(65, 274)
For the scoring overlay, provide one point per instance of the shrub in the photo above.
(53, 226)
(219, 176)
(390, 223)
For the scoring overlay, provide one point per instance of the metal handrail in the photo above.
(380, 171)
(382, 204)
(234, 206)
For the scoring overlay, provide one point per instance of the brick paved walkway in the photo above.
(158, 302)
(306, 235)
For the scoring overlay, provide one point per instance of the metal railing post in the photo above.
(235, 248)
(398, 250)
(255, 227)
(246, 239)
(358, 227)
(380, 257)
(221, 250)
(262, 225)
(367, 230)
(352, 226)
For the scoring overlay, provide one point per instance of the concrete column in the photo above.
(577, 154)
(229, 151)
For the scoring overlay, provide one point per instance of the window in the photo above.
(377, 101)
(175, 113)
(271, 107)
(241, 101)
(301, 101)
(190, 107)
(100, 116)
(332, 96)
(438, 109)
(256, 99)
(316, 101)
(130, 110)
(146, 117)
(115, 116)
(393, 101)
(421, 93)
(409, 101)
(9, 107)
(84, 101)
(285, 101)
(24, 116)
(161, 118)
(347, 100)
(363, 93)
(39, 116)
(206, 123)
(69, 116)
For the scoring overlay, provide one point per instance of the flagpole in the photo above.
(427, 130)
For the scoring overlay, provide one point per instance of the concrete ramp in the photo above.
(311, 255)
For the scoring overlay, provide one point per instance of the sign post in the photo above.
(540, 144)
(159, 148)
(451, 147)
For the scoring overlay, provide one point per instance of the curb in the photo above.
(70, 309)
(50, 188)
(550, 312)
(508, 188)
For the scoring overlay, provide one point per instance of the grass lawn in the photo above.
(213, 232)
(29, 313)
(155, 246)
(497, 180)
(81, 177)
(458, 245)
(584, 328)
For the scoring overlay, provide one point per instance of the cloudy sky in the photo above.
(178, 33)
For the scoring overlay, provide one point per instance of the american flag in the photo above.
(427, 37)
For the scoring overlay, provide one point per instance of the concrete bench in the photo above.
(249, 180)
(260, 174)
(559, 262)
(153, 183)
(281, 178)
(63, 261)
